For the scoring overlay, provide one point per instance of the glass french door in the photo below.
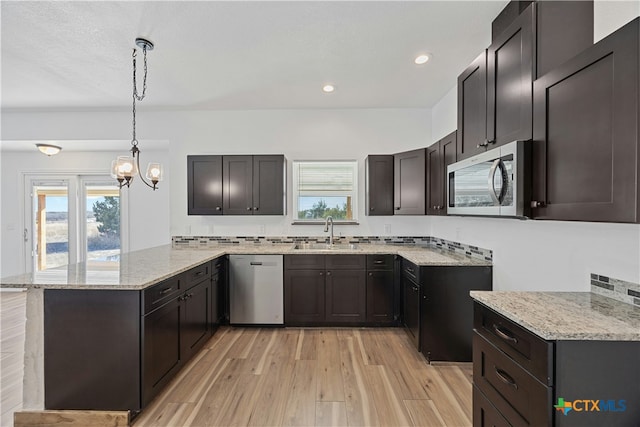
(72, 219)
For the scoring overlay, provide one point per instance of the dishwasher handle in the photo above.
(255, 263)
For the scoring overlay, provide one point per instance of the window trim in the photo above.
(295, 193)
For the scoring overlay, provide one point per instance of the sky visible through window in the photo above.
(60, 204)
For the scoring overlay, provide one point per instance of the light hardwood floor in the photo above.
(12, 322)
(312, 377)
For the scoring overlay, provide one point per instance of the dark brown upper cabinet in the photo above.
(253, 185)
(379, 185)
(533, 43)
(204, 185)
(472, 108)
(439, 155)
(409, 173)
(268, 185)
(586, 150)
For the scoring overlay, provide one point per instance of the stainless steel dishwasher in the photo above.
(256, 290)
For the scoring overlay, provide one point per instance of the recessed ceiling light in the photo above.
(328, 88)
(422, 59)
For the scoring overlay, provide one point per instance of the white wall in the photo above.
(609, 15)
(298, 134)
(547, 255)
(148, 211)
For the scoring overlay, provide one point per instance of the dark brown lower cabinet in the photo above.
(518, 377)
(446, 309)
(322, 290)
(380, 297)
(161, 348)
(304, 297)
(346, 299)
(195, 324)
(117, 349)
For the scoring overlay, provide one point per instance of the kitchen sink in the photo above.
(325, 247)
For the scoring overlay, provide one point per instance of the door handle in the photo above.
(498, 164)
(255, 263)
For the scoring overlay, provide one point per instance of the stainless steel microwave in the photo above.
(494, 183)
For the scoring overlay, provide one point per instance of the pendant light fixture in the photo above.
(125, 168)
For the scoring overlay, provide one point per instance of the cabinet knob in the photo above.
(398, 208)
(370, 274)
(536, 204)
(371, 209)
(321, 273)
(490, 141)
(328, 273)
(248, 208)
(255, 208)
(218, 208)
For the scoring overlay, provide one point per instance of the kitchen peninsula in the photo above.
(111, 310)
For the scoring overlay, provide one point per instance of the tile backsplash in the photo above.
(426, 241)
(617, 289)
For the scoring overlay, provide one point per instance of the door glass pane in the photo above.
(51, 213)
(102, 226)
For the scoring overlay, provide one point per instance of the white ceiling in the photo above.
(238, 55)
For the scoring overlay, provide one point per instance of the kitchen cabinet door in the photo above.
(472, 108)
(411, 309)
(439, 156)
(447, 310)
(195, 325)
(161, 348)
(510, 73)
(409, 182)
(238, 185)
(585, 150)
(379, 185)
(346, 296)
(204, 185)
(268, 185)
(304, 297)
(380, 297)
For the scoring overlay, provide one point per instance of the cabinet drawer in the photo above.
(518, 395)
(526, 348)
(410, 270)
(345, 262)
(484, 413)
(304, 262)
(157, 295)
(197, 274)
(380, 262)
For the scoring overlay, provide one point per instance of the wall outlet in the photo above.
(387, 229)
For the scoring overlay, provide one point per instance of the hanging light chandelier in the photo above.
(125, 168)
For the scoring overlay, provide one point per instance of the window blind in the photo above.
(328, 177)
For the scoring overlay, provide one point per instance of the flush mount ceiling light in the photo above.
(125, 168)
(49, 149)
(422, 59)
(328, 88)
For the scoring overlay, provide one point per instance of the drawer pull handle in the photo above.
(506, 378)
(507, 336)
(166, 290)
(199, 273)
(255, 263)
(379, 261)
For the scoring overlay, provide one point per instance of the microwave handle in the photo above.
(497, 198)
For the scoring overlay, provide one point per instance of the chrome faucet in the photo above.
(326, 228)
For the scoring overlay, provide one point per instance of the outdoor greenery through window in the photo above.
(325, 188)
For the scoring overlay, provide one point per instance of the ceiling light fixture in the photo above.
(328, 88)
(49, 149)
(125, 168)
(422, 59)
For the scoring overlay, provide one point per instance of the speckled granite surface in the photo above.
(566, 315)
(141, 269)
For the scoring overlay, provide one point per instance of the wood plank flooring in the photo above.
(312, 377)
(12, 323)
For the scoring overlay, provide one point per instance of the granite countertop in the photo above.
(566, 315)
(141, 269)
